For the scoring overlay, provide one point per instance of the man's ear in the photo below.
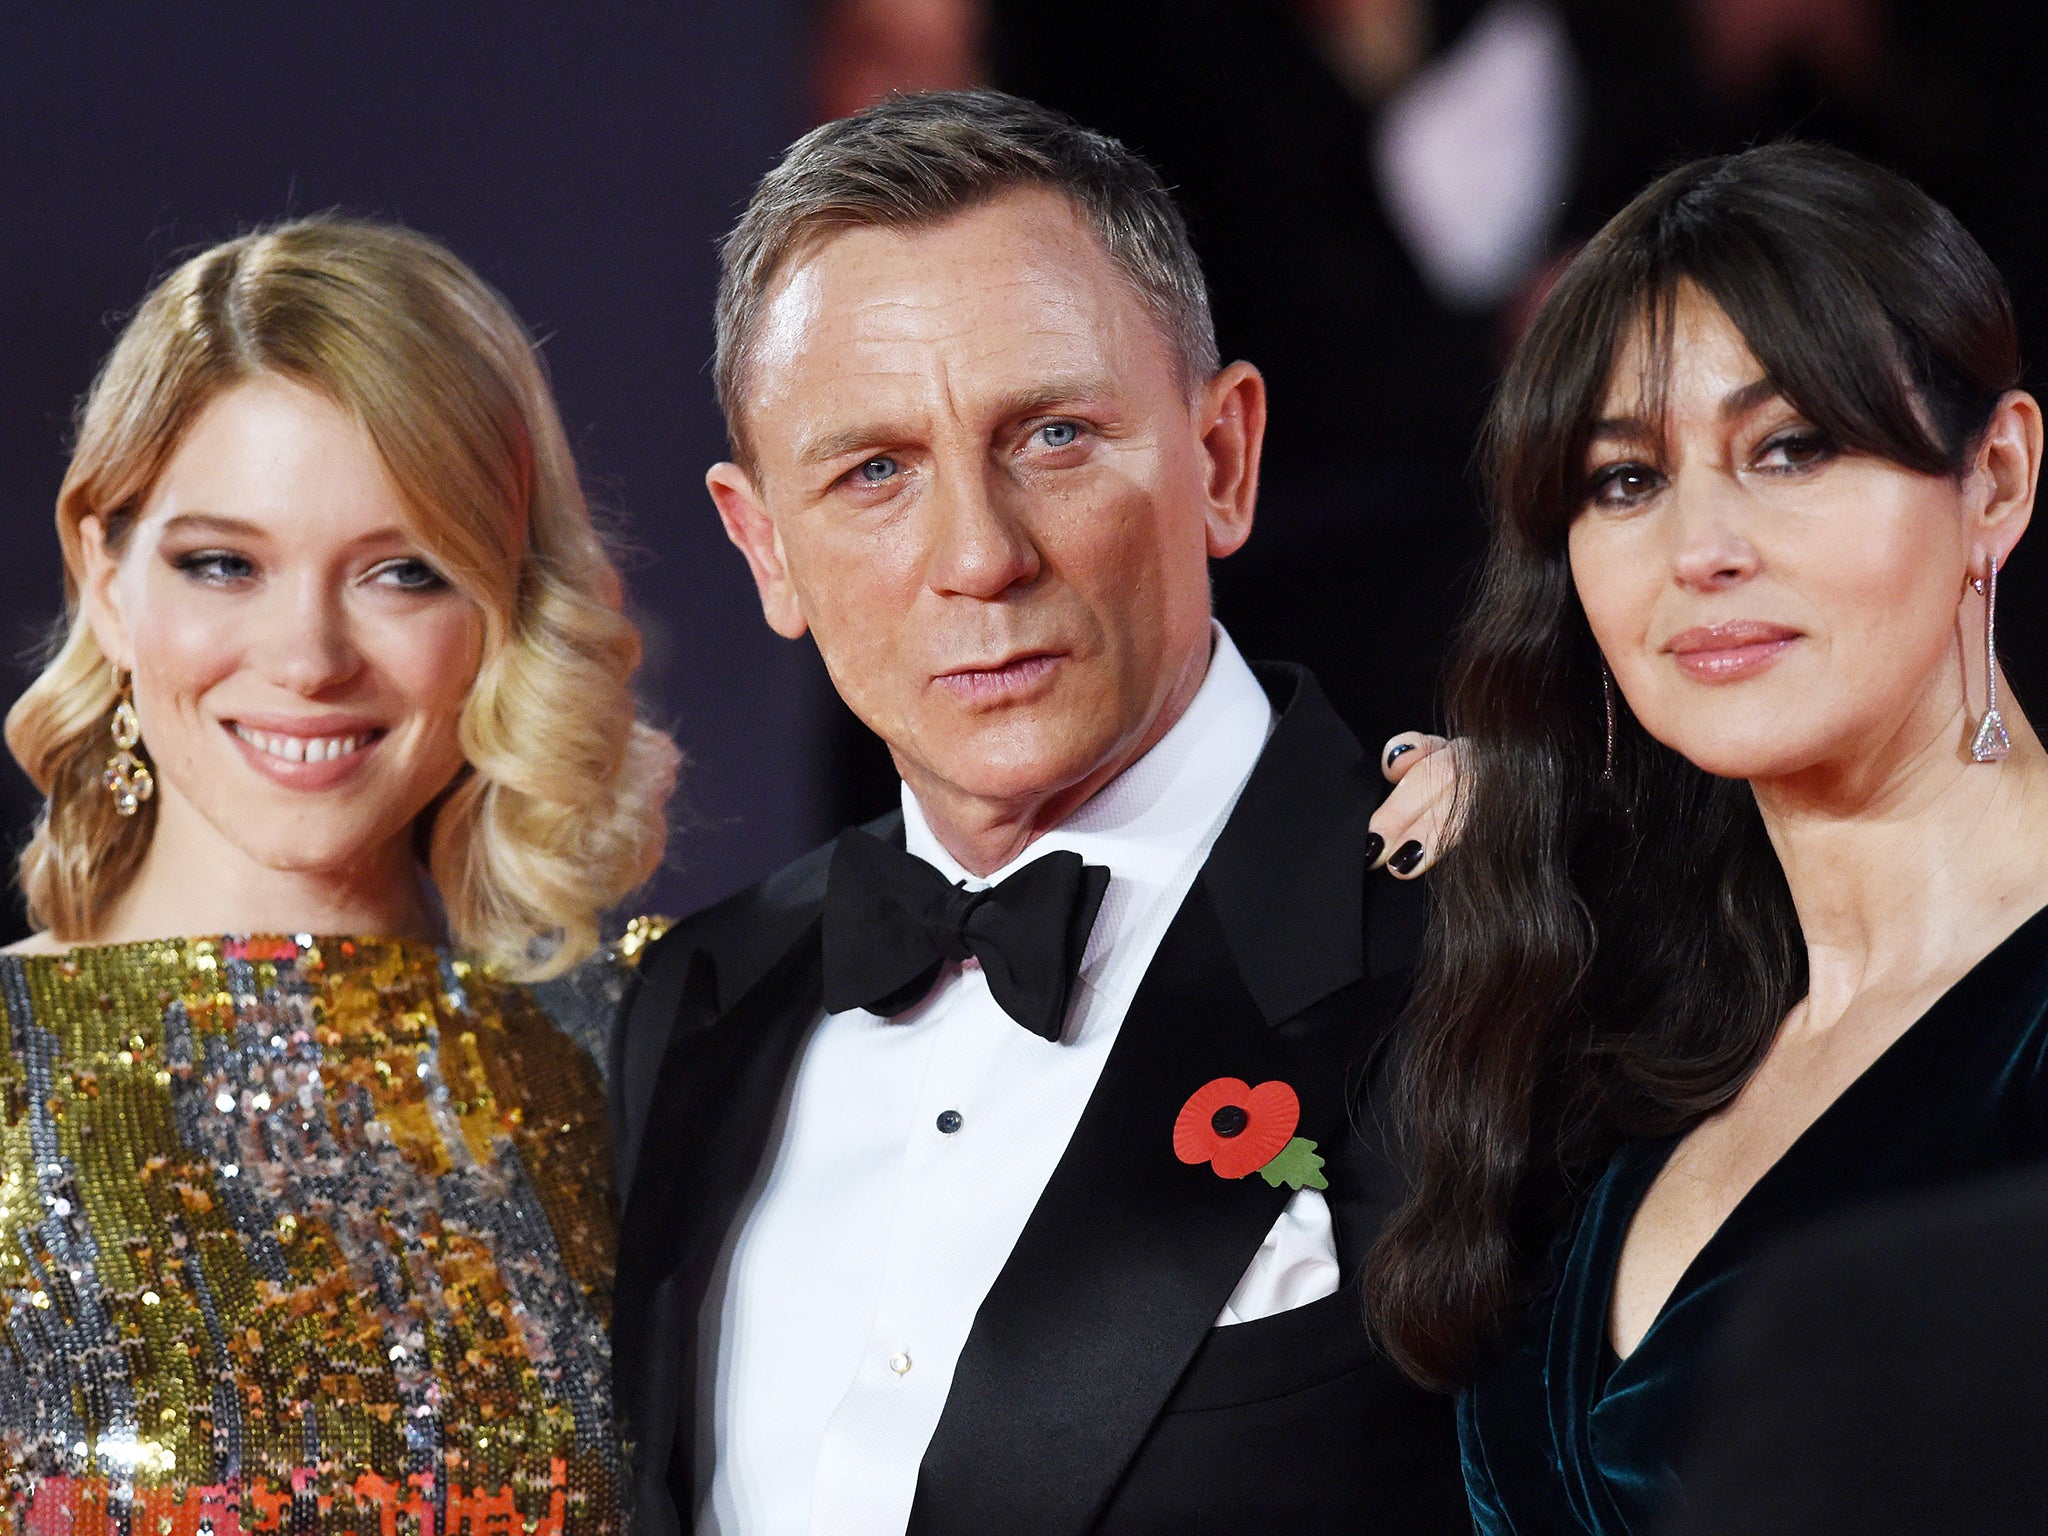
(748, 525)
(1231, 416)
(99, 593)
(2009, 460)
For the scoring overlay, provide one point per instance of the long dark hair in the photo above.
(1610, 956)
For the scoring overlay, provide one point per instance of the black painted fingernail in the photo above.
(1405, 858)
(1374, 845)
(1397, 749)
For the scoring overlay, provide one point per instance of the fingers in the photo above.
(1415, 824)
(1404, 751)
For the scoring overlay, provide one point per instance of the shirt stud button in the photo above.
(900, 1363)
(949, 1121)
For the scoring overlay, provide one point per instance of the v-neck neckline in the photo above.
(1741, 1215)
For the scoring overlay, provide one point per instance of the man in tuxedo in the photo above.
(995, 1168)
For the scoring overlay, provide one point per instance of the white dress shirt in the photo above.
(878, 1231)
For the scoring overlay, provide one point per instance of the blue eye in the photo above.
(877, 469)
(215, 567)
(1058, 434)
(410, 574)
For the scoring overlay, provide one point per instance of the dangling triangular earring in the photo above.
(1991, 744)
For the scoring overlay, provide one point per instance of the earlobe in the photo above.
(753, 532)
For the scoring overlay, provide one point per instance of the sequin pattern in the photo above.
(300, 1235)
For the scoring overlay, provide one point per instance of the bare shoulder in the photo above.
(36, 944)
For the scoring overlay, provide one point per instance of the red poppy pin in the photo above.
(1238, 1129)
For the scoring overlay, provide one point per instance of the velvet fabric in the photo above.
(1561, 1438)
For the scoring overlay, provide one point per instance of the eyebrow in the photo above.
(1737, 402)
(832, 445)
(240, 528)
(1027, 401)
(212, 522)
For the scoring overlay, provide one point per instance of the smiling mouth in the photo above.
(304, 749)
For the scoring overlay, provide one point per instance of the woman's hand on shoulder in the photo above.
(1416, 823)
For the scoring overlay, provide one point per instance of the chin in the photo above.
(331, 853)
(1767, 758)
(1019, 775)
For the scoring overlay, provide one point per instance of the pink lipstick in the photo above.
(1726, 653)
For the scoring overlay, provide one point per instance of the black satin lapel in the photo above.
(1120, 1272)
(714, 1107)
(1287, 872)
(672, 1106)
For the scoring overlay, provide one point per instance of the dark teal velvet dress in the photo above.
(1561, 1438)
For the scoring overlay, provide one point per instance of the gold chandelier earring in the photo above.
(127, 778)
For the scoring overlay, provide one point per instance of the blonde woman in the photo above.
(305, 1201)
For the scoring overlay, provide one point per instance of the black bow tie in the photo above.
(893, 923)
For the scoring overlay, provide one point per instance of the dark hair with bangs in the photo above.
(1610, 957)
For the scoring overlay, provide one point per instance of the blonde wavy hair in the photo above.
(560, 812)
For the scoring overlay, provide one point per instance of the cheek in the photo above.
(858, 586)
(183, 647)
(1888, 609)
(1617, 581)
(1132, 549)
(1889, 575)
(430, 660)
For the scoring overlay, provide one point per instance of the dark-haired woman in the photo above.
(1745, 925)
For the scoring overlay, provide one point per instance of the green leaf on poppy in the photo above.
(1296, 1166)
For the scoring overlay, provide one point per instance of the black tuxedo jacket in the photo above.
(1886, 1374)
(1094, 1393)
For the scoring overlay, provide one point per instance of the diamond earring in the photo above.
(127, 777)
(1991, 743)
(1607, 698)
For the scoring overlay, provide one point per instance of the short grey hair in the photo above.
(917, 160)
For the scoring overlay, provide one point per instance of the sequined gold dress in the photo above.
(303, 1235)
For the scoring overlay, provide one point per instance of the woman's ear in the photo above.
(99, 592)
(2009, 468)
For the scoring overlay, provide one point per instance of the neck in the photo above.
(1901, 870)
(985, 832)
(191, 882)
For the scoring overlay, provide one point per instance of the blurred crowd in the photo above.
(1380, 190)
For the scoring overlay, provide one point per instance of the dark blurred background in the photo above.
(1379, 189)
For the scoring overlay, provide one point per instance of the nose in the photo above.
(1710, 549)
(981, 546)
(307, 645)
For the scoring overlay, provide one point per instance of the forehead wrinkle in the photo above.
(966, 367)
(876, 340)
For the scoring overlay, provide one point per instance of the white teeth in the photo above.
(300, 749)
